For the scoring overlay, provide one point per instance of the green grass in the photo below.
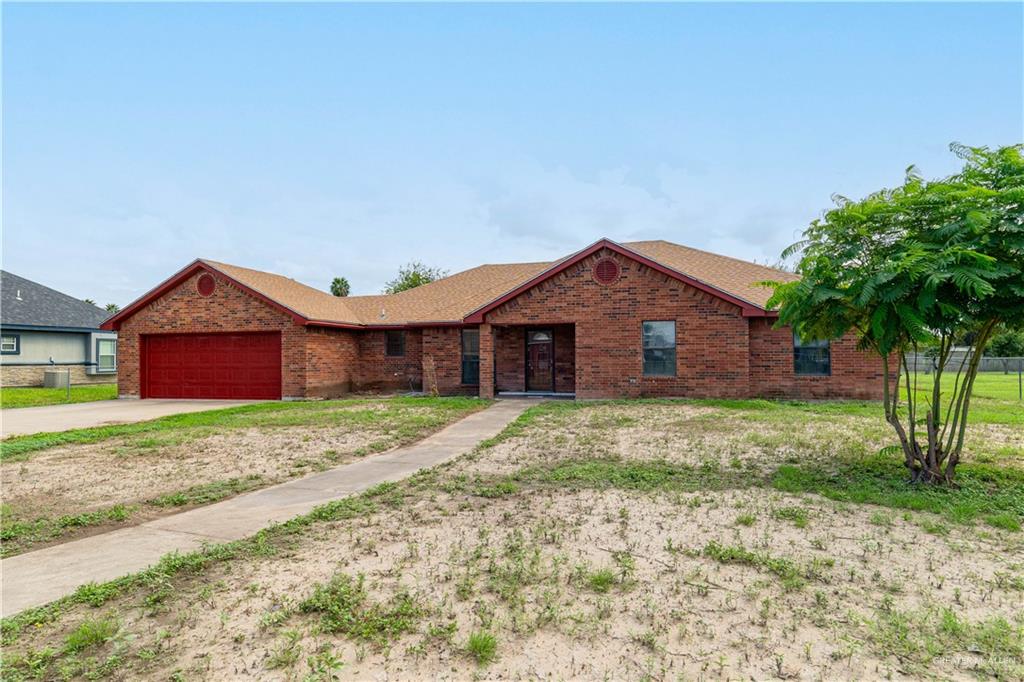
(994, 399)
(916, 637)
(91, 633)
(987, 385)
(182, 427)
(482, 647)
(206, 493)
(982, 491)
(601, 580)
(639, 475)
(11, 398)
(792, 575)
(18, 534)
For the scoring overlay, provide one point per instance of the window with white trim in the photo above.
(10, 344)
(106, 355)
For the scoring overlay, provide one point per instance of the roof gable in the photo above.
(729, 279)
(28, 303)
(465, 297)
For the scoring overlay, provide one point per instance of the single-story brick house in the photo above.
(647, 318)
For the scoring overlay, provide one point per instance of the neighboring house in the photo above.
(41, 329)
(637, 319)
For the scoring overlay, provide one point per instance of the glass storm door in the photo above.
(540, 360)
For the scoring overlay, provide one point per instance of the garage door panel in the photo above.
(213, 366)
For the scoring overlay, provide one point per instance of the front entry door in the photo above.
(540, 360)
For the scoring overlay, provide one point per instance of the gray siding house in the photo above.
(41, 328)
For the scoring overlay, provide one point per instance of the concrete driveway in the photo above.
(24, 420)
(39, 577)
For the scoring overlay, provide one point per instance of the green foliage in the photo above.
(902, 267)
(340, 287)
(1006, 343)
(90, 633)
(413, 275)
(482, 647)
(345, 608)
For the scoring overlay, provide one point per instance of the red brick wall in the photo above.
(510, 351)
(597, 343)
(378, 371)
(711, 335)
(332, 362)
(854, 374)
(444, 345)
(565, 359)
(229, 309)
(510, 359)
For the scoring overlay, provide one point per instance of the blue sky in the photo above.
(327, 139)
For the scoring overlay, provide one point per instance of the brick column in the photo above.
(486, 361)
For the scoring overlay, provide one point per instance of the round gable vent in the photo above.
(206, 284)
(606, 271)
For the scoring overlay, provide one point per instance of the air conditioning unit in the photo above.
(56, 378)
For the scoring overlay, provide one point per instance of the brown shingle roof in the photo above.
(453, 298)
(731, 275)
(308, 302)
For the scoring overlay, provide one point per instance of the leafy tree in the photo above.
(1007, 343)
(112, 308)
(89, 301)
(942, 259)
(339, 286)
(413, 275)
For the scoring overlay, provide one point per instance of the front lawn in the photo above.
(60, 485)
(11, 397)
(605, 540)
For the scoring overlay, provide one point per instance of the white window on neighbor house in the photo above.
(106, 355)
(10, 344)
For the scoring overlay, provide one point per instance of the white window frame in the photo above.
(100, 356)
(15, 340)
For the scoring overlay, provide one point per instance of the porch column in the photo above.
(486, 361)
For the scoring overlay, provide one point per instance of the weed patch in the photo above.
(345, 608)
(792, 575)
(208, 492)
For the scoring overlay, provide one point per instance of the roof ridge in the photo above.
(704, 251)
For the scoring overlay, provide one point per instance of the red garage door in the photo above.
(240, 366)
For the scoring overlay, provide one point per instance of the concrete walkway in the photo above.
(23, 420)
(39, 577)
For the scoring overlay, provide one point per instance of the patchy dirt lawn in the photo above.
(593, 542)
(144, 475)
